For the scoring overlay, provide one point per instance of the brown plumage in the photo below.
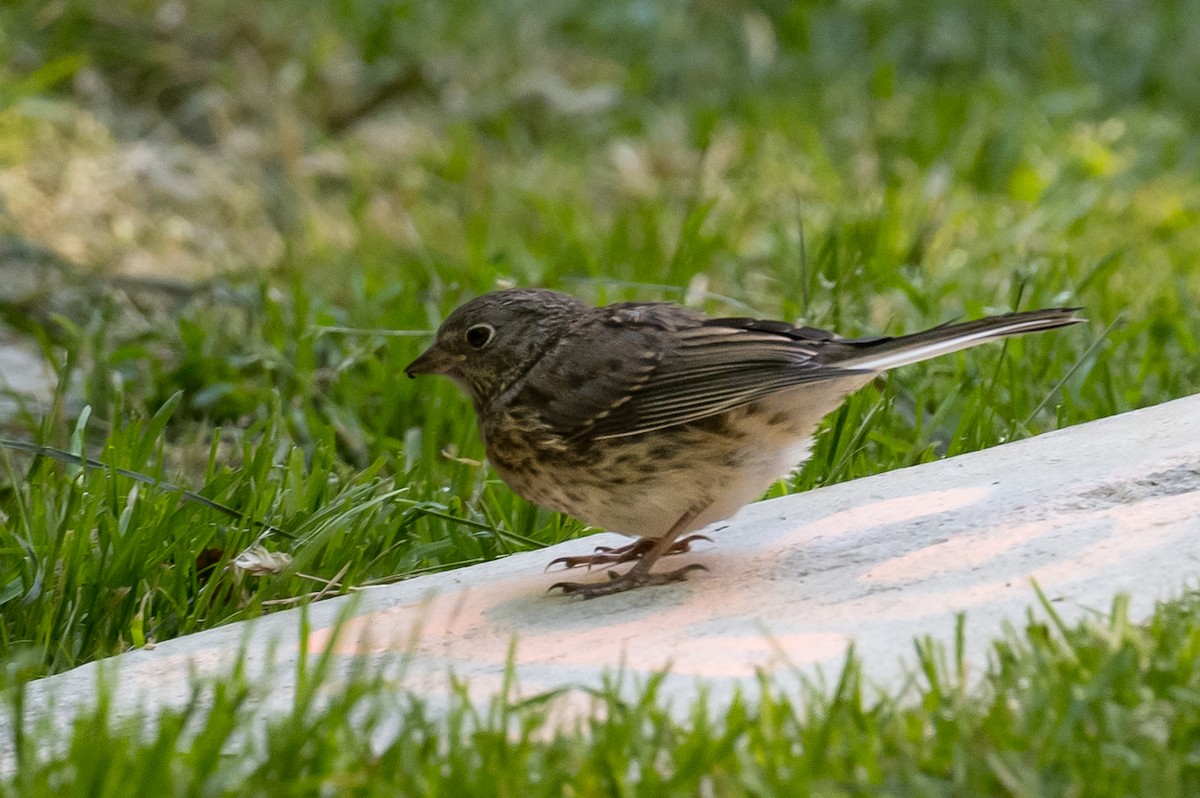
(653, 420)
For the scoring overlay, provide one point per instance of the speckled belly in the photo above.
(643, 484)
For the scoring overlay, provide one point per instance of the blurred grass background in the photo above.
(194, 195)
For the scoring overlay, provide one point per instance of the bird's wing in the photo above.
(643, 368)
(641, 377)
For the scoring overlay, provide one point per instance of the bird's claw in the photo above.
(619, 583)
(609, 555)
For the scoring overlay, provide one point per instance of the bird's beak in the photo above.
(432, 361)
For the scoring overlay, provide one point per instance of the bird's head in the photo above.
(489, 342)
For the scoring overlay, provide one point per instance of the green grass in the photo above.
(1106, 707)
(867, 167)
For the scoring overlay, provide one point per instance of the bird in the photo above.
(655, 420)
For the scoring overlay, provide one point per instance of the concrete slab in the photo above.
(1089, 512)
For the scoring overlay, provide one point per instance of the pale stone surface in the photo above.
(25, 378)
(1089, 512)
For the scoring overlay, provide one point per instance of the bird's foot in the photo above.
(619, 583)
(607, 555)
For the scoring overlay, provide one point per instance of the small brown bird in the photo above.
(653, 420)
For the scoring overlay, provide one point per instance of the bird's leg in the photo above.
(639, 575)
(607, 555)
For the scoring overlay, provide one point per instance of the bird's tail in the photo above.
(888, 353)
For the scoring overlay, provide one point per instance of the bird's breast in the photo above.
(642, 484)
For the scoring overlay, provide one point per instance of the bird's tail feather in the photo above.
(888, 353)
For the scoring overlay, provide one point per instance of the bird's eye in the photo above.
(480, 335)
